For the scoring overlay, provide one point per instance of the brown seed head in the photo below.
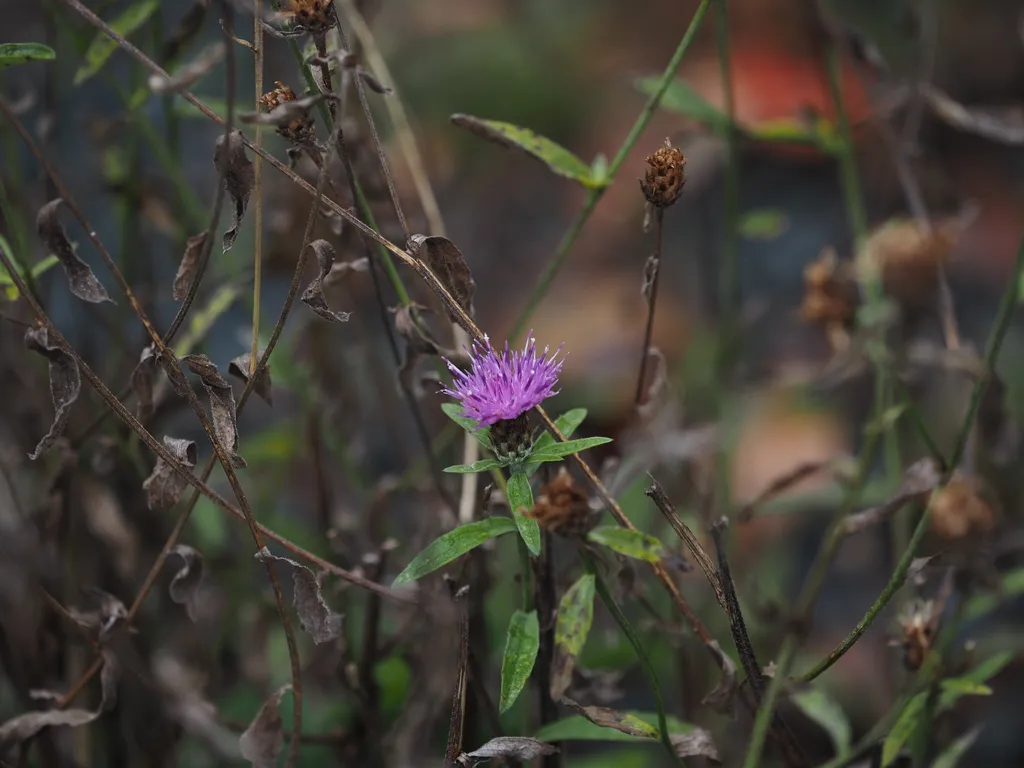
(918, 623)
(562, 507)
(958, 510)
(665, 177)
(830, 292)
(908, 258)
(315, 16)
(300, 130)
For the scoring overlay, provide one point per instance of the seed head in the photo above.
(501, 386)
(314, 16)
(300, 130)
(958, 509)
(665, 177)
(918, 622)
(562, 508)
(908, 256)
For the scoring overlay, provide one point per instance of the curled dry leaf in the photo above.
(189, 264)
(316, 618)
(222, 405)
(82, 281)
(313, 297)
(142, 383)
(65, 384)
(163, 487)
(189, 74)
(449, 265)
(262, 741)
(343, 269)
(418, 344)
(108, 613)
(723, 698)
(232, 162)
(517, 747)
(696, 743)
(286, 112)
(24, 727)
(184, 586)
(240, 367)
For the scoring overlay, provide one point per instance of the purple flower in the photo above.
(504, 385)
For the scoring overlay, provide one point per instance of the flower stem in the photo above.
(652, 300)
(257, 251)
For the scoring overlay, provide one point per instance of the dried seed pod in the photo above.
(665, 177)
(959, 510)
(562, 508)
(300, 130)
(918, 622)
(908, 256)
(314, 16)
(831, 297)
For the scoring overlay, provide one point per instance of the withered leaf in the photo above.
(418, 343)
(81, 280)
(723, 698)
(285, 113)
(574, 618)
(518, 747)
(262, 741)
(372, 82)
(142, 383)
(163, 487)
(1004, 124)
(240, 367)
(343, 269)
(448, 264)
(190, 25)
(231, 160)
(920, 478)
(188, 266)
(651, 267)
(189, 74)
(696, 743)
(313, 297)
(185, 584)
(109, 612)
(24, 727)
(613, 718)
(316, 618)
(222, 405)
(65, 384)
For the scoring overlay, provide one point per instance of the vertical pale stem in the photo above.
(257, 248)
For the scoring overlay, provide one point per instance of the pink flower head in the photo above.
(504, 385)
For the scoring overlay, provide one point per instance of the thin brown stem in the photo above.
(651, 273)
(257, 254)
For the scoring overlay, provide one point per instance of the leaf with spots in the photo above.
(635, 544)
(575, 615)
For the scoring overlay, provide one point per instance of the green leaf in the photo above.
(951, 755)
(684, 100)
(578, 728)
(567, 423)
(635, 544)
(101, 47)
(521, 645)
(829, 715)
(452, 545)
(822, 134)
(12, 54)
(554, 156)
(454, 412)
(903, 729)
(557, 451)
(599, 169)
(958, 686)
(575, 615)
(520, 500)
(763, 224)
(37, 269)
(477, 466)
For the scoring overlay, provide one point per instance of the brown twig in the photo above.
(651, 272)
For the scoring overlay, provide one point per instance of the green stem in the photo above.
(763, 720)
(552, 268)
(729, 276)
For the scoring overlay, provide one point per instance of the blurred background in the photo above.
(337, 464)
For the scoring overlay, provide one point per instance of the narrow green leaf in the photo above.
(12, 54)
(520, 501)
(829, 715)
(579, 728)
(958, 686)
(684, 100)
(476, 466)
(554, 156)
(557, 451)
(452, 545)
(454, 412)
(575, 615)
(635, 544)
(567, 423)
(822, 134)
(903, 729)
(521, 645)
(764, 224)
(101, 47)
(952, 754)
(43, 266)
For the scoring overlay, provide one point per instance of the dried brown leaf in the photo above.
(164, 486)
(1004, 123)
(518, 747)
(723, 698)
(65, 384)
(262, 741)
(222, 405)
(184, 586)
(189, 74)
(240, 367)
(233, 163)
(142, 383)
(188, 266)
(81, 280)
(449, 265)
(607, 717)
(109, 613)
(343, 269)
(316, 618)
(313, 297)
(285, 113)
(696, 743)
